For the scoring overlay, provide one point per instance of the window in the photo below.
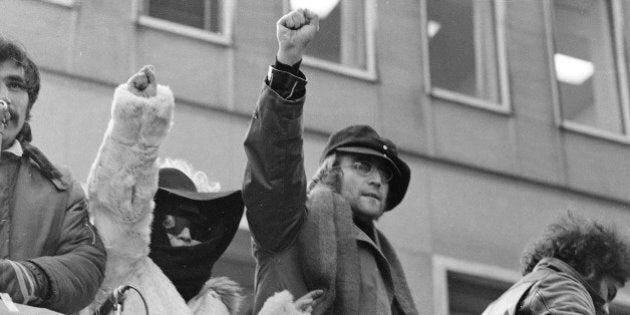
(470, 295)
(345, 41)
(464, 287)
(465, 55)
(203, 14)
(587, 63)
(205, 19)
(63, 3)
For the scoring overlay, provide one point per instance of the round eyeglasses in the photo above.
(367, 168)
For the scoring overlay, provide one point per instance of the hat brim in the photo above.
(398, 185)
(222, 210)
(198, 196)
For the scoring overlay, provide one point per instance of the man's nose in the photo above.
(376, 178)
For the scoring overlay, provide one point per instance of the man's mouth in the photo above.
(373, 195)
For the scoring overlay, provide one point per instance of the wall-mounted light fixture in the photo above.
(572, 70)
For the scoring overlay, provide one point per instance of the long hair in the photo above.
(591, 248)
(329, 174)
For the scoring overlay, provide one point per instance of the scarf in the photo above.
(329, 256)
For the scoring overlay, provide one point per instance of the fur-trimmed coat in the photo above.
(121, 186)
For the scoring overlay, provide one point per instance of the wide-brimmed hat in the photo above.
(215, 217)
(361, 139)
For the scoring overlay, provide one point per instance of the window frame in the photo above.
(504, 105)
(442, 265)
(225, 39)
(63, 3)
(368, 74)
(622, 76)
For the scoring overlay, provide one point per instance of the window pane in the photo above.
(327, 44)
(470, 295)
(585, 65)
(214, 16)
(342, 36)
(203, 14)
(462, 47)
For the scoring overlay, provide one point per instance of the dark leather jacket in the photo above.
(282, 218)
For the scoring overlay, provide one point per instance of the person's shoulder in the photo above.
(553, 278)
(67, 183)
(60, 176)
(561, 291)
(39, 163)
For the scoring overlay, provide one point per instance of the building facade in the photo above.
(509, 113)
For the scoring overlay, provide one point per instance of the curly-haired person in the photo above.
(575, 268)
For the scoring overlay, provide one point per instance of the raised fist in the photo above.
(294, 31)
(143, 83)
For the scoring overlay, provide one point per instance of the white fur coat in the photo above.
(121, 186)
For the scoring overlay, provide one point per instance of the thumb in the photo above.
(149, 71)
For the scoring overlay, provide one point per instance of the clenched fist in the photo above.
(143, 83)
(294, 31)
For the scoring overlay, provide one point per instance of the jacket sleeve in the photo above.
(124, 179)
(558, 295)
(76, 271)
(274, 187)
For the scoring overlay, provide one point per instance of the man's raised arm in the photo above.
(274, 187)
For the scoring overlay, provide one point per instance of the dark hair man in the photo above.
(51, 255)
(575, 268)
(325, 239)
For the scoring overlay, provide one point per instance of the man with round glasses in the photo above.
(320, 236)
